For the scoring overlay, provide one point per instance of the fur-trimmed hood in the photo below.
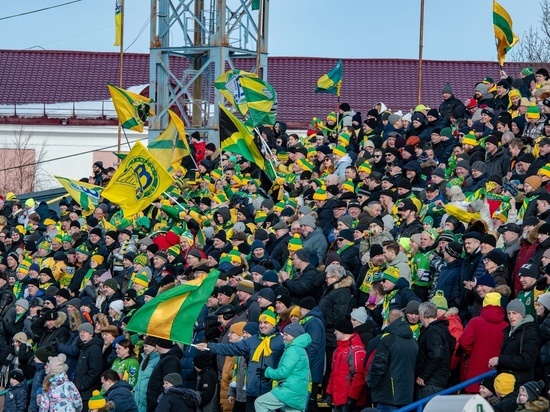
(345, 282)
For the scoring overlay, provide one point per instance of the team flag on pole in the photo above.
(171, 145)
(138, 181)
(172, 314)
(85, 194)
(331, 82)
(118, 22)
(506, 38)
(131, 108)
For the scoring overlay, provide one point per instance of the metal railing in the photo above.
(419, 405)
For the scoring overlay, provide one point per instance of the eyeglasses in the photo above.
(339, 239)
(377, 155)
(388, 155)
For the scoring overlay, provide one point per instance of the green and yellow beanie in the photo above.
(268, 316)
(391, 274)
(439, 300)
(295, 243)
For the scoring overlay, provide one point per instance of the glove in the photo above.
(329, 401)
(260, 372)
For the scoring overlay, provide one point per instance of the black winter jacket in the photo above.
(87, 377)
(121, 395)
(306, 283)
(435, 348)
(334, 305)
(169, 363)
(178, 399)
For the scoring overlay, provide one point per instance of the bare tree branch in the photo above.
(534, 44)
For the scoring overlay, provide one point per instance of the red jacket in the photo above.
(526, 252)
(347, 379)
(482, 339)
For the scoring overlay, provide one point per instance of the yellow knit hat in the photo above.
(504, 383)
(295, 312)
(268, 316)
(96, 401)
(491, 299)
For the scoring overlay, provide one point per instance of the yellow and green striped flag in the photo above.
(331, 82)
(132, 109)
(172, 314)
(506, 38)
(171, 145)
(85, 194)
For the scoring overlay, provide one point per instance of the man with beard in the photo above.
(410, 223)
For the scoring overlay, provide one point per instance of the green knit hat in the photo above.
(268, 316)
(141, 259)
(174, 250)
(391, 274)
(305, 165)
(220, 198)
(527, 71)
(45, 245)
(123, 224)
(83, 249)
(365, 167)
(67, 238)
(292, 203)
(96, 401)
(234, 256)
(58, 238)
(177, 230)
(320, 194)
(141, 278)
(439, 300)
(295, 243)
(143, 221)
(533, 112)
(339, 150)
(279, 206)
(349, 186)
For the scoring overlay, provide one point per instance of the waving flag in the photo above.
(255, 99)
(171, 145)
(132, 109)
(85, 194)
(506, 38)
(172, 314)
(138, 181)
(118, 22)
(331, 82)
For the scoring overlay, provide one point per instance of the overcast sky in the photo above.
(320, 28)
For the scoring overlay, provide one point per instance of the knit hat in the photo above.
(284, 299)
(544, 300)
(359, 314)
(527, 71)
(529, 269)
(42, 354)
(516, 306)
(470, 139)
(412, 307)
(18, 375)
(57, 363)
(294, 329)
(486, 280)
(479, 166)
(504, 383)
(268, 294)
(492, 299)
(439, 300)
(252, 328)
(24, 303)
(97, 259)
(453, 248)
(86, 327)
(83, 249)
(447, 89)
(161, 254)
(391, 274)
(246, 286)
(533, 389)
(111, 283)
(202, 360)
(268, 316)
(344, 325)
(174, 378)
(237, 328)
(74, 302)
(117, 306)
(533, 112)
(307, 303)
(534, 181)
(20, 337)
(303, 255)
(141, 279)
(295, 243)
(339, 150)
(97, 401)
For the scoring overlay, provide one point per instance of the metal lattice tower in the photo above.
(192, 43)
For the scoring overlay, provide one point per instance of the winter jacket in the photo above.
(401, 262)
(334, 305)
(178, 399)
(121, 395)
(316, 242)
(448, 280)
(88, 368)
(526, 251)
(341, 165)
(169, 362)
(391, 375)
(481, 340)
(71, 350)
(435, 348)
(305, 283)
(246, 348)
(347, 378)
(47, 336)
(61, 396)
(292, 374)
(188, 372)
(409, 229)
(16, 398)
(403, 295)
(140, 390)
(36, 386)
(314, 326)
(520, 350)
(209, 390)
(454, 106)
(444, 149)
(498, 163)
(349, 259)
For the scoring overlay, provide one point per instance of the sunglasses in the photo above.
(388, 155)
(127, 299)
(326, 159)
(339, 239)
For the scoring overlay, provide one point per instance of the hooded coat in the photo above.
(334, 305)
(169, 362)
(435, 349)
(87, 376)
(481, 340)
(391, 374)
(178, 399)
(145, 371)
(121, 395)
(61, 396)
(292, 374)
(314, 326)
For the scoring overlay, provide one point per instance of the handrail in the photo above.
(419, 405)
(2, 393)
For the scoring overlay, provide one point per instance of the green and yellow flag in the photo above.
(118, 22)
(172, 314)
(331, 82)
(171, 145)
(132, 109)
(138, 181)
(506, 38)
(85, 194)
(236, 138)
(255, 99)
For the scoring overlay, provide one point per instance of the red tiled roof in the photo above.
(36, 76)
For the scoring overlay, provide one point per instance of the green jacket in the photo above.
(293, 374)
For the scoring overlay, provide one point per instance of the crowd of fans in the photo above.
(391, 257)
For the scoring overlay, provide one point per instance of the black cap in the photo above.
(432, 187)
(512, 227)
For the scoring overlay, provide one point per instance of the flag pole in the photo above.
(420, 49)
(267, 149)
(260, 39)
(121, 63)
